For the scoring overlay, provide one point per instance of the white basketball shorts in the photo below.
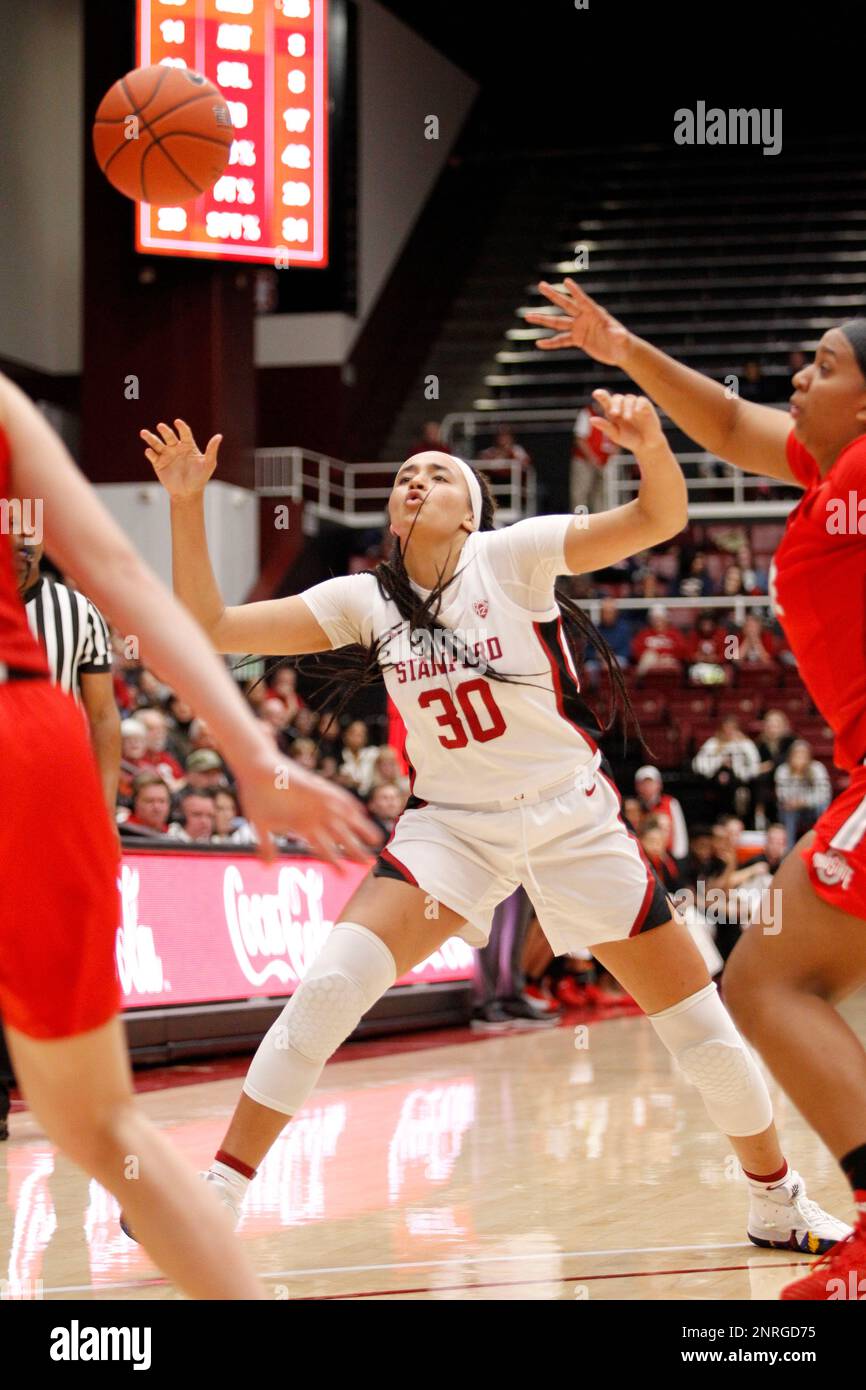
(582, 868)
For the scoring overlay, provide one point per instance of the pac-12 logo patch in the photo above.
(832, 869)
(481, 607)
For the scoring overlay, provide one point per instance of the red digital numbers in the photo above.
(450, 718)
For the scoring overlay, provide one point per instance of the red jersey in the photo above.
(17, 645)
(818, 590)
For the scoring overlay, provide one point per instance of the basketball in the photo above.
(162, 135)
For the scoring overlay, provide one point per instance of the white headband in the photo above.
(474, 488)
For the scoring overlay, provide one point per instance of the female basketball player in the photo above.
(507, 786)
(783, 987)
(58, 893)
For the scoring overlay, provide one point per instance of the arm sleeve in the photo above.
(803, 466)
(343, 607)
(527, 557)
(96, 655)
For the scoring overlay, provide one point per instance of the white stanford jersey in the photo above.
(472, 740)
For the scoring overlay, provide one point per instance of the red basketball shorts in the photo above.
(58, 869)
(836, 858)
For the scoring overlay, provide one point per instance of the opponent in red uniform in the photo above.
(782, 984)
(58, 893)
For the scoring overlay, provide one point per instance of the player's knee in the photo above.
(353, 970)
(712, 1055)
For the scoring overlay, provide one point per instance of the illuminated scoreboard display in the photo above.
(269, 59)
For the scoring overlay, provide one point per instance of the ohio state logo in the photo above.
(832, 869)
(481, 607)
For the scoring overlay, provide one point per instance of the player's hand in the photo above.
(585, 325)
(281, 797)
(178, 462)
(631, 422)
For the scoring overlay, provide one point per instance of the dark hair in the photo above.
(350, 669)
(148, 779)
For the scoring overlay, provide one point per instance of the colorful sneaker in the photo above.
(571, 993)
(539, 1000)
(840, 1274)
(784, 1218)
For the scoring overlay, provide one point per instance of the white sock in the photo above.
(231, 1177)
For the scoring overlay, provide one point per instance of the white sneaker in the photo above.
(225, 1194)
(222, 1191)
(784, 1218)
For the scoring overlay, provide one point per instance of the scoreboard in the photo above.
(269, 58)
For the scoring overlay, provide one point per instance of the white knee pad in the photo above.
(353, 969)
(701, 1036)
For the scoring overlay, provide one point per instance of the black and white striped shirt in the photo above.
(71, 630)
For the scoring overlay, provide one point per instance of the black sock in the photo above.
(854, 1167)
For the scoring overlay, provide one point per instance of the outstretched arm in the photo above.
(752, 437)
(83, 538)
(277, 627)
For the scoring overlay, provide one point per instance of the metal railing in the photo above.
(334, 491)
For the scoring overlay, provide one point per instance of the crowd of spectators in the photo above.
(175, 783)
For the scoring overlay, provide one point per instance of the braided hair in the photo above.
(346, 671)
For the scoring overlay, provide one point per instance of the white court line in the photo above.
(426, 1264)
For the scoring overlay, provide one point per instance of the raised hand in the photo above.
(586, 325)
(181, 467)
(632, 422)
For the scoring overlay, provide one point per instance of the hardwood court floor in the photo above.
(515, 1167)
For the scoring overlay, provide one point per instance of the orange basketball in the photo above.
(163, 135)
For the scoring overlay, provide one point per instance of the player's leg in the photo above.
(79, 1090)
(386, 928)
(782, 985)
(635, 936)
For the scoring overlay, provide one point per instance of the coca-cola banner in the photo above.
(210, 927)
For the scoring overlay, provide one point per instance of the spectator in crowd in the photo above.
(652, 838)
(796, 361)
(359, 759)
(151, 805)
(303, 751)
(701, 860)
(803, 790)
(654, 800)
(151, 691)
(283, 686)
(695, 581)
(735, 880)
(330, 737)
(755, 646)
(387, 769)
(732, 582)
(200, 736)
(133, 755)
(730, 760)
(754, 580)
(776, 846)
(753, 386)
(706, 641)
(429, 437)
(384, 804)
(230, 827)
(181, 715)
(197, 817)
(274, 713)
(204, 771)
(328, 767)
(617, 630)
(632, 813)
(304, 725)
(590, 452)
(505, 447)
(659, 646)
(157, 753)
(773, 743)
